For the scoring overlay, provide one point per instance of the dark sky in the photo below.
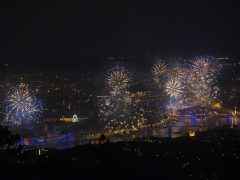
(119, 28)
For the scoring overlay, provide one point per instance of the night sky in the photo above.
(33, 29)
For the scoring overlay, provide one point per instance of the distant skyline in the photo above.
(117, 28)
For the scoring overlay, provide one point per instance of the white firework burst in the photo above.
(118, 79)
(158, 69)
(174, 87)
(22, 107)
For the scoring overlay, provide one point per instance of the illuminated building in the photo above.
(73, 119)
(191, 133)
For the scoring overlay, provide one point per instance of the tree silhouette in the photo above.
(6, 137)
(102, 139)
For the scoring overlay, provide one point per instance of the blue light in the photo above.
(194, 120)
(229, 121)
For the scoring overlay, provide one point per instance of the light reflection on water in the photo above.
(69, 140)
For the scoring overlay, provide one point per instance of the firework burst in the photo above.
(203, 66)
(188, 86)
(22, 107)
(174, 87)
(178, 73)
(118, 79)
(158, 69)
(202, 82)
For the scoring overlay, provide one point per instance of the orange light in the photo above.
(26, 141)
(66, 119)
(192, 133)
